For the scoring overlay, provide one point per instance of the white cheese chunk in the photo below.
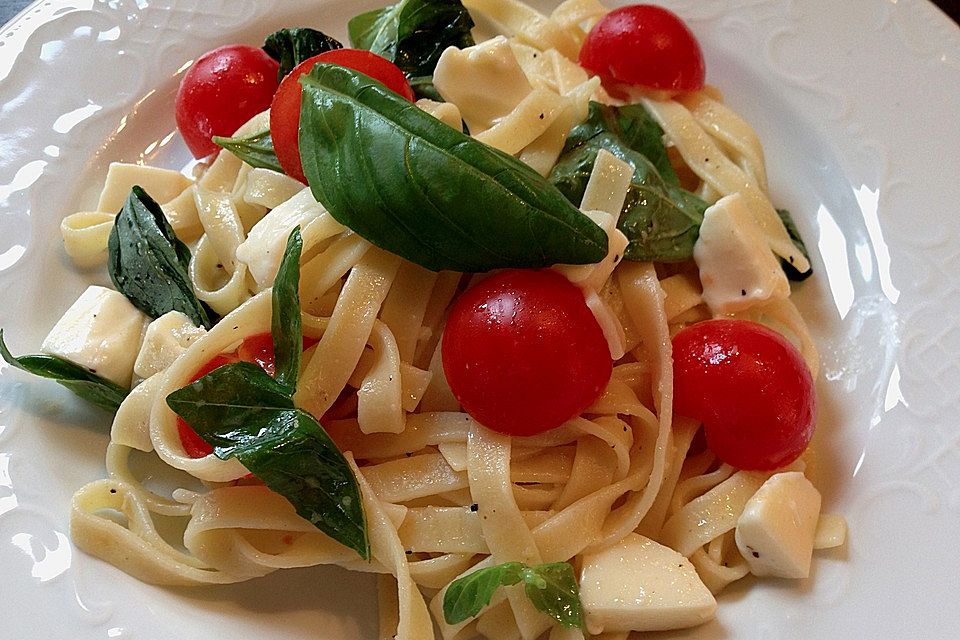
(100, 331)
(737, 267)
(485, 81)
(165, 340)
(162, 185)
(640, 585)
(775, 532)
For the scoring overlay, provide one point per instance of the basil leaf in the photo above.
(244, 413)
(416, 187)
(660, 219)
(551, 588)
(148, 264)
(256, 150)
(413, 33)
(468, 595)
(286, 322)
(290, 47)
(792, 272)
(633, 127)
(80, 380)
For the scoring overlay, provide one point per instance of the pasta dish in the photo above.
(506, 323)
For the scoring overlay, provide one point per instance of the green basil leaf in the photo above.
(242, 412)
(290, 47)
(633, 127)
(468, 595)
(80, 380)
(148, 264)
(553, 590)
(286, 322)
(660, 219)
(256, 150)
(413, 33)
(416, 187)
(792, 272)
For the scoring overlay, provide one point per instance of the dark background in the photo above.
(10, 8)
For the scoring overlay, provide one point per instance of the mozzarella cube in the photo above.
(100, 331)
(165, 340)
(776, 531)
(163, 185)
(737, 268)
(485, 81)
(640, 585)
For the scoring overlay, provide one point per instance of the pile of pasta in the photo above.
(442, 495)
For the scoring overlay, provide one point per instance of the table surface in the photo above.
(10, 8)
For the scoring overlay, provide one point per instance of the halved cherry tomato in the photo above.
(223, 89)
(523, 353)
(257, 349)
(285, 110)
(751, 389)
(644, 46)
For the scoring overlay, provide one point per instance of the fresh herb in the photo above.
(244, 413)
(148, 264)
(551, 588)
(792, 272)
(416, 187)
(80, 380)
(633, 127)
(286, 323)
(413, 33)
(660, 219)
(256, 150)
(290, 47)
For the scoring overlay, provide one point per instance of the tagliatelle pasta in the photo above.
(444, 496)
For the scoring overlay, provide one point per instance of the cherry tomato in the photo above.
(257, 349)
(285, 110)
(222, 90)
(751, 389)
(523, 353)
(193, 445)
(645, 46)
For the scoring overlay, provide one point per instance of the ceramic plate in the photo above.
(856, 103)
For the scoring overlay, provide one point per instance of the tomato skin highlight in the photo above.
(523, 353)
(222, 90)
(751, 389)
(285, 109)
(644, 46)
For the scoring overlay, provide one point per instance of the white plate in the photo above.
(856, 103)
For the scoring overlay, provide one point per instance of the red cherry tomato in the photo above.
(645, 46)
(285, 110)
(257, 349)
(751, 389)
(523, 353)
(223, 89)
(193, 445)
